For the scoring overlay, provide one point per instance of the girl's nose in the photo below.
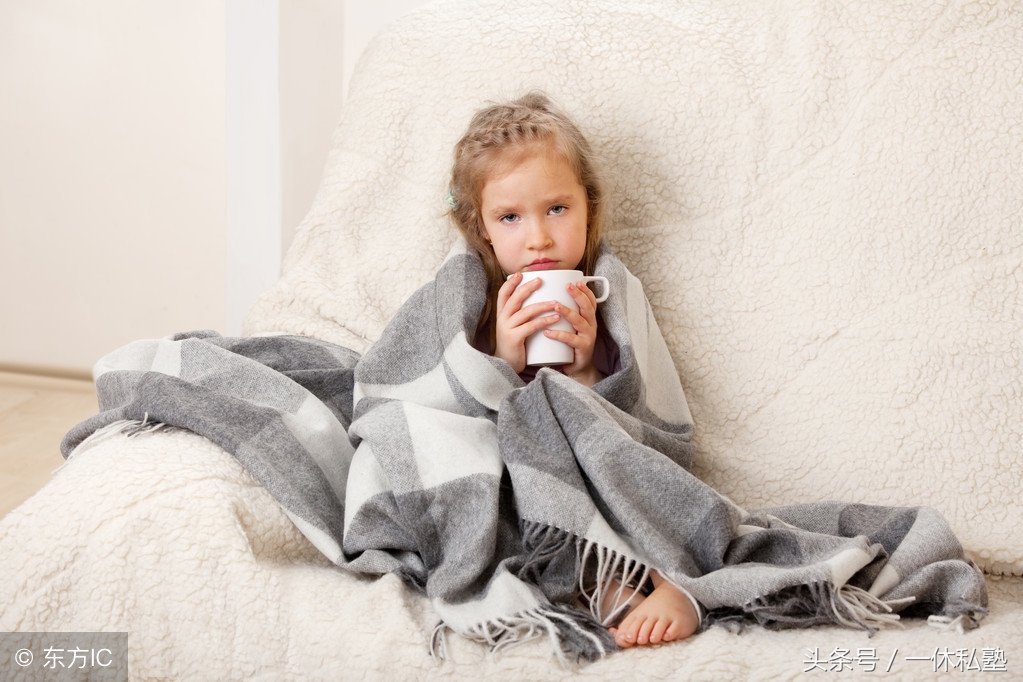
(539, 235)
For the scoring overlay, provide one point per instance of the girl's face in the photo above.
(535, 213)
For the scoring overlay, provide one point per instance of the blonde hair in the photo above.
(519, 127)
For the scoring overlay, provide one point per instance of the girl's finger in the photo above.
(584, 297)
(525, 314)
(507, 289)
(542, 323)
(567, 338)
(569, 314)
(581, 323)
(517, 292)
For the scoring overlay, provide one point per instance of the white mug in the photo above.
(541, 350)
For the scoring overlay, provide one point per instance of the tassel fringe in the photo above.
(959, 616)
(131, 428)
(820, 603)
(608, 589)
(439, 642)
(949, 624)
(574, 638)
(617, 580)
(857, 608)
(609, 580)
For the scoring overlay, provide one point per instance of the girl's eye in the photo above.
(558, 210)
(509, 218)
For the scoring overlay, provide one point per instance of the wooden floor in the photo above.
(35, 413)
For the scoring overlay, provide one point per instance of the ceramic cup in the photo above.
(541, 350)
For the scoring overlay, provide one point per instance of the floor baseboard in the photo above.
(50, 371)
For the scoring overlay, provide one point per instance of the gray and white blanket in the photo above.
(520, 509)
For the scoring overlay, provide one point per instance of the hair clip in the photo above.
(450, 199)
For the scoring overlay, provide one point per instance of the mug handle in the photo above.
(606, 289)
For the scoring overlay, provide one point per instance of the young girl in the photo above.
(526, 196)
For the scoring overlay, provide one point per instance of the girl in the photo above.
(526, 196)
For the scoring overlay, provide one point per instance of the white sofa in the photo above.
(824, 202)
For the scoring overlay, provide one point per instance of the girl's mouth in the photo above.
(542, 264)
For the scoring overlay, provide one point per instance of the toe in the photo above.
(658, 631)
(643, 637)
(625, 633)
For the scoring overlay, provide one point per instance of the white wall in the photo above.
(111, 174)
(253, 156)
(150, 172)
(312, 72)
(320, 41)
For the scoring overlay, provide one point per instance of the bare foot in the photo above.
(665, 615)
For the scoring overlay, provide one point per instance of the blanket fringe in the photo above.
(608, 580)
(856, 608)
(617, 579)
(958, 616)
(127, 427)
(439, 641)
(819, 603)
(948, 624)
(544, 543)
(574, 638)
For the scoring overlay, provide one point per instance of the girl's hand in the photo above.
(515, 323)
(583, 340)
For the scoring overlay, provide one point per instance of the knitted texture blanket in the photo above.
(521, 510)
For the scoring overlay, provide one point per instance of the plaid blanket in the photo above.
(519, 509)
